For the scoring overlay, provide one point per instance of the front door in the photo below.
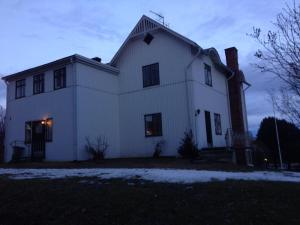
(38, 140)
(208, 129)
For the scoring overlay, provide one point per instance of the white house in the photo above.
(157, 86)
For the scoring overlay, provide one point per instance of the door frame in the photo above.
(41, 141)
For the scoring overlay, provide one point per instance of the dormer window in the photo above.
(60, 78)
(207, 74)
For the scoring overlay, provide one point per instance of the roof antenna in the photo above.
(160, 18)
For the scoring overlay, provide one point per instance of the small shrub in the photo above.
(188, 148)
(98, 149)
(158, 149)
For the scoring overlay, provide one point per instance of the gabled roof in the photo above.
(146, 24)
(214, 56)
(62, 62)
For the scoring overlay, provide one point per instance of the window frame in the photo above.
(159, 131)
(207, 75)
(22, 86)
(218, 123)
(152, 77)
(55, 76)
(39, 79)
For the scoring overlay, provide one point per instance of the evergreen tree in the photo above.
(289, 136)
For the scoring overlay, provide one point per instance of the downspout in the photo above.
(75, 131)
(188, 97)
(244, 104)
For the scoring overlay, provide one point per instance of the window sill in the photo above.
(150, 86)
(20, 97)
(149, 136)
(38, 93)
(58, 88)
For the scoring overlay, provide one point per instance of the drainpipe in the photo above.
(75, 131)
(189, 99)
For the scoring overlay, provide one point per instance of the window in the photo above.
(153, 125)
(218, 126)
(38, 84)
(148, 38)
(151, 75)
(207, 73)
(60, 78)
(20, 88)
(48, 130)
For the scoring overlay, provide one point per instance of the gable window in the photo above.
(20, 88)
(38, 84)
(60, 78)
(153, 125)
(207, 74)
(218, 126)
(148, 38)
(151, 75)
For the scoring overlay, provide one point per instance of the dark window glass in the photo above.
(218, 126)
(48, 130)
(148, 38)
(151, 75)
(38, 84)
(207, 73)
(20, 88)
(153, 125)
(60, 78)
(28, 132)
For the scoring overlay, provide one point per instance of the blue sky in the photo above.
(36, 32)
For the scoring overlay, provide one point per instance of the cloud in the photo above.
(92, 27)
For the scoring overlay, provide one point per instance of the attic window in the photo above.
(148, 38)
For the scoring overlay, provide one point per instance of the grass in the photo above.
(135, 202)
(170, 162)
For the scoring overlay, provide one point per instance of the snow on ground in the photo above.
(155, 175)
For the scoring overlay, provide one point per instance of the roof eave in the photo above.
(62, 62)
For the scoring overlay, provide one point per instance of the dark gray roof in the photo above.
(61, 62)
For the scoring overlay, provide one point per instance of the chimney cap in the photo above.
(231, 49)
(97, 59)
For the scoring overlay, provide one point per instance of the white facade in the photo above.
(110, 100)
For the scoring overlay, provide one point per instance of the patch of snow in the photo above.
(154, 175)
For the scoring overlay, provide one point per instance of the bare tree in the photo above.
(280, 55)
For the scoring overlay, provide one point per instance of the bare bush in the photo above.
(98, 148)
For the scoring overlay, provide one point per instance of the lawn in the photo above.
(136, 202)
(165, 162)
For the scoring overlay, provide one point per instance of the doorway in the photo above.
(38, 140)
(208, 130)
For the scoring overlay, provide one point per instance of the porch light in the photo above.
(43, 122)
(49, 122)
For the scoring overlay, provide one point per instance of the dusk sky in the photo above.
(37, 32)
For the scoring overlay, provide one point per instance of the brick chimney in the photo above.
(236, 107)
